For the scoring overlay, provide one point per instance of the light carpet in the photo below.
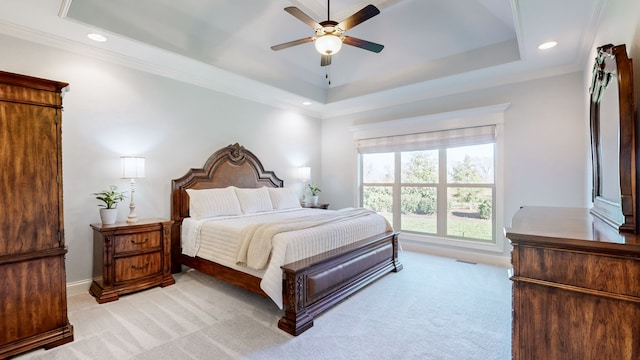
(435, 308)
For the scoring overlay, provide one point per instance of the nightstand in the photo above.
(130, 257)
(314, 206)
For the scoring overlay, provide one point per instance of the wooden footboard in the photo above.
(313, 285)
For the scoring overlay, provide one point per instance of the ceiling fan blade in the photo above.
(363, 44)
(361, 16)
(291, 43)
(302, 17)
(325, 60)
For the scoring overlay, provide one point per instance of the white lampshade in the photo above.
(328, 44)
(132, 167)
(304, 173)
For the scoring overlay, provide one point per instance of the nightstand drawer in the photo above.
(133, 242)
(136, 267)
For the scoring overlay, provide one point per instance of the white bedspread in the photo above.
(219, 239)
(255, 245)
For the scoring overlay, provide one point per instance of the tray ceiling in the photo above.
(432, 47)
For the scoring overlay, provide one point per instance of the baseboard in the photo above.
(78, 287)
(464, 255)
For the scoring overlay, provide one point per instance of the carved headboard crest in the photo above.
(235, 151)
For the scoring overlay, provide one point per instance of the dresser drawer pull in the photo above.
(139, 243)
(140, 267)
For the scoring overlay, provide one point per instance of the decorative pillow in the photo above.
(213, 202)
(254, 200)
(283, 198)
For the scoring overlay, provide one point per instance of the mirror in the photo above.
(613, 138)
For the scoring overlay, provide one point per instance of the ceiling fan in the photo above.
(330, 34)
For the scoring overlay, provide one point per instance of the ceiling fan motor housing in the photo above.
(329, 27)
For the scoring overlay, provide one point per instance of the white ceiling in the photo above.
(432, 47)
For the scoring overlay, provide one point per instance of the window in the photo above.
(439, 184)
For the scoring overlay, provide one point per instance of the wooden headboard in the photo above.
(230, 166)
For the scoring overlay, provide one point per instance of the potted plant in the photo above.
(314, 190)
(109, 210)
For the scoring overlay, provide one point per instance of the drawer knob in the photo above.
(140, 242)
(140, 267)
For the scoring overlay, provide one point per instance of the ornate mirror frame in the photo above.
(612, 64)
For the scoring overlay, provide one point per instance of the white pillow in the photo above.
(213, 202)
(254, 200)
(283, 198)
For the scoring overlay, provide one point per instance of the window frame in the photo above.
(489, 115)
(442, 190)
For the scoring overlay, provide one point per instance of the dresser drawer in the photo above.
(139, 266)
(601, 272)
(134, 242)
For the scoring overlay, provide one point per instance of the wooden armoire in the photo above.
(33, 298)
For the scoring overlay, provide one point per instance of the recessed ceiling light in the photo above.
(306, 103)
(547, 45)
(97, 37)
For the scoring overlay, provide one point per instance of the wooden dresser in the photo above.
(33, 293)
(576, 287)
(130, 257)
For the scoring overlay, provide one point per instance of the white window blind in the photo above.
(428, 140)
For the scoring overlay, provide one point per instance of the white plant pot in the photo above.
(311, 200)
(108, 216)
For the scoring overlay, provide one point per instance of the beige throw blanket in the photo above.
(255, 244)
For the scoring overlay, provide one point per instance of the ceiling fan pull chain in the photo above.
(327, 75)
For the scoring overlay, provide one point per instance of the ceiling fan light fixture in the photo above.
(328, 44)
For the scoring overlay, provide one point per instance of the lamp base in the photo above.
(132, 218)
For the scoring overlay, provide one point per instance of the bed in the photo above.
(307, 286)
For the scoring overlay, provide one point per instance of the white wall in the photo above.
(545, 139)
(112, 111)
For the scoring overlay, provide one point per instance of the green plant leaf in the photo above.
(110, 197)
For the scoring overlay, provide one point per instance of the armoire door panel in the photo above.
(32, 297)
(29, 211)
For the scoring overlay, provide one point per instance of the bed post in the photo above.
(176, 248)
(397, 265)
(296, 319)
